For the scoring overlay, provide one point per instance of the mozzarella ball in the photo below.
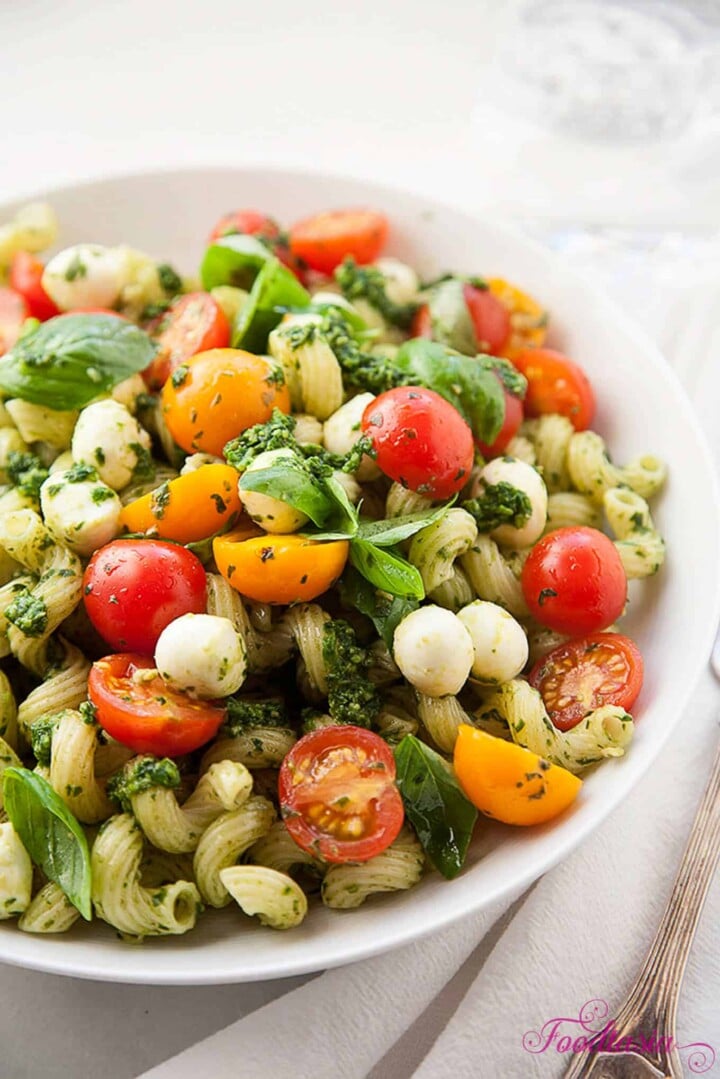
(62, 462)
(202, 654)
(350, 485)
(527, 479)
(342, 430)
(199, 460)
(86, 275)
(308, 429)
(401, 282)
(270, 513)
(107, 437)
(434, 651)
(16, 873)
(83, 514)
(499, 642)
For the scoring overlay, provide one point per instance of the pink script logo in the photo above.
(591, 1031)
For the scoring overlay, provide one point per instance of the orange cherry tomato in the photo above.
(556, 384)
(217, 395)
(26, 278)
(528, 320)
(193, 323)
(323, 241)
(508, 782)
(278, 569)
(13, 312)
(187, 509)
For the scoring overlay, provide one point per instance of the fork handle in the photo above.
(654, 996)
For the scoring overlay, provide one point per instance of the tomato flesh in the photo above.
(323, 241)
(13, 312)
(556, 384)
(194, 323)
(133, 589)
(338, 796)
(421, 441)
(579, 676)
(490, 318)
(512, 420)
(574, 582)
(142, 712)
(26, 278)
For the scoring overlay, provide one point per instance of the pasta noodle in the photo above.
(638, 542)
(72, 768)
(493, 577)
(434, 549)
(592, 473)
(278, 850)
(398, 868)
(226, 839)
(50, 911)
(441, 717)
(274, 897)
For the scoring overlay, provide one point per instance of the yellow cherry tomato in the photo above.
(187, 509)
(508, 782)
(528, 320)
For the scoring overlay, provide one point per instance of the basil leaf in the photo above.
(275, 287)
(344, 517)
(386, 569)
(473, 390)
(388, 533)
(70, 360)
(50, 834)
(291, 483)
(435, 805)
(385, 612)
(233, 260)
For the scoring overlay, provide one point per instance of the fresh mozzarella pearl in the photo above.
(84, 515)
(499, 642)
(270, 513)
(401, 281)
(434, 651)
(199, 460)
(16, 873)
(86, 275)
(203, 655)
(527, 479)
(107, 437)
(342, 430)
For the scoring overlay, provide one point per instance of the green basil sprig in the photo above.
(386, 612)
(386, 569)
(435, 805)
(275, 288)
(50, 834)
(396, 529)
(233, 260)
(69, 360)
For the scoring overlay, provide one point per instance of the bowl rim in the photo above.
(191, 971)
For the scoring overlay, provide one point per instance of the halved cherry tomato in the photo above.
(528, 320)
(574, 582)
(511, 425)
(338, 796)
(579, 676)
(133, 589)
(422, 322)
(187, 509)
(218, 395)
(193, 323)
(143, 712)
(323, 241)
(490, 319)
(13, 312)
(508, 782)
(556, 384)
(26, 278)
(421, 441)
(278, 569)
(248, 223)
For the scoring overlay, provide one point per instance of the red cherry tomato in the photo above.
(323, 241)
(144, 713)
(194, 323)
(338, 796)
(248, 223)
(421, 441)
(13, 312)
(491, 319)
(579, 676)
(556, 384)
(511, 425)
(422, 322)
(574, 582)
(26, 278)
(134, 588)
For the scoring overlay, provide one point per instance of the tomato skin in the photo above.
(194, 323)
(556, 384)
(333, 765)
(246, 222)
(421, 441)
(133, 589)
(26, 278)
(490, 319)
(574, 582)
(324, 240)
(514, 415)
(581, 675)
(194, 507)
(148, 716)
(422, 322)
(224, 391)
(13, 312)
(276, 568)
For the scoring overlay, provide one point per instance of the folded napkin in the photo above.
(475, 1000)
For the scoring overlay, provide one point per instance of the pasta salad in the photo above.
(307, 565)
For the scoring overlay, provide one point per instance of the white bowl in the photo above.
(642, 408)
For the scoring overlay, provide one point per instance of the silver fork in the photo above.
(646, 1021)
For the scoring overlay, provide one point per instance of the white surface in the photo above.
(145, 211)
